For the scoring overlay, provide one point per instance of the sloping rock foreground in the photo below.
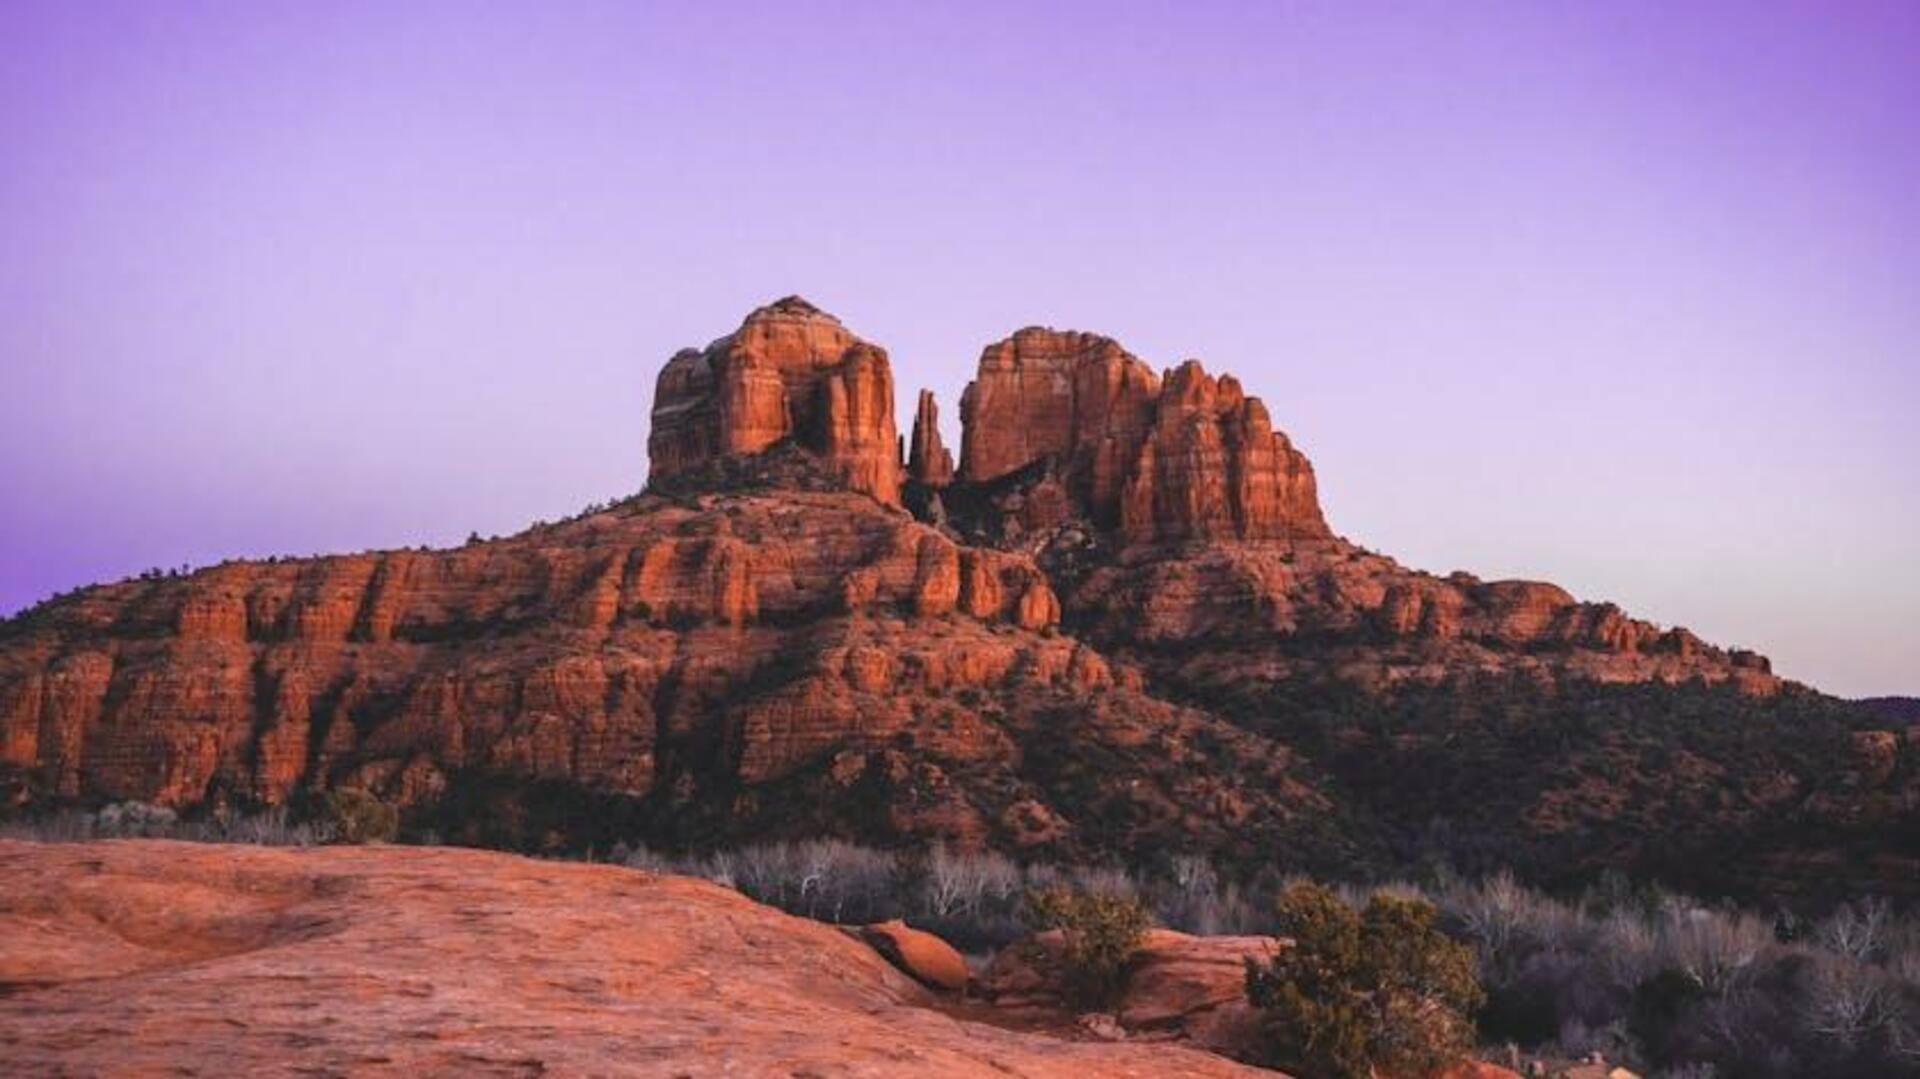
(138, 957)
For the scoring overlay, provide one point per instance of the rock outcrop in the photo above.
(1235, 616)
(791, 372)
(928, 462)
(1190, 458)
(931, 961)
(151, 957)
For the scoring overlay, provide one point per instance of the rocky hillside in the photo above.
(147, 957)
(1121, 625)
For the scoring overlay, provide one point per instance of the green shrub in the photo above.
(358, 817)
(1099, 934)
(1358, 991)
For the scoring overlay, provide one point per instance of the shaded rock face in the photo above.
(790, 372)
(1190, 458)
(1236, 616)
(149, 957)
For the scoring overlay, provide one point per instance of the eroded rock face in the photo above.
(150, 957)
(756, 666)
(1212, 467)
(790, 372)
(1191, 458)
(568, 652)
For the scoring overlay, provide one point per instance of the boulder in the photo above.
(931, 960)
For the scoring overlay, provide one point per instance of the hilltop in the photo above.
(1119, 625)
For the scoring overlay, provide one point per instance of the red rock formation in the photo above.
(1191, 459)
(1373, 622)
(1076, 396)
(928, 461)
(791, 657)
(253, 678)
(1212, 467)
(930, 960)
(790, 372)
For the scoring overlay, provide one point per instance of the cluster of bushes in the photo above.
(340, 816)
(1643, 976)
(979, 902)
(1480, 774)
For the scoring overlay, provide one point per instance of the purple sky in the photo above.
(1620, 295)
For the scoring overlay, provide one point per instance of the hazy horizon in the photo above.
(1624, 297)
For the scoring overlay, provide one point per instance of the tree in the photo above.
(1098, 936)
(1358, 991)
(356, 816)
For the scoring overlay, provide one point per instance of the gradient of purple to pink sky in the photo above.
(1621, 295)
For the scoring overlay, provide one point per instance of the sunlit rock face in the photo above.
(1189, 457)
(790, 372)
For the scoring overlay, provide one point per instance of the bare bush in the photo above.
(1847, 1004)
(1715, 949)
(1855, 930)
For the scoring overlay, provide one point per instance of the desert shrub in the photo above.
(271, 827)
(355, 816)
(1381, 988)
(1858, 931)
(1191, 897)
(1098, 935)
(136, 819)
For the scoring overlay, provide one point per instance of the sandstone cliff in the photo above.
(710, 661)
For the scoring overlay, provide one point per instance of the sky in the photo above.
(1621, 295)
